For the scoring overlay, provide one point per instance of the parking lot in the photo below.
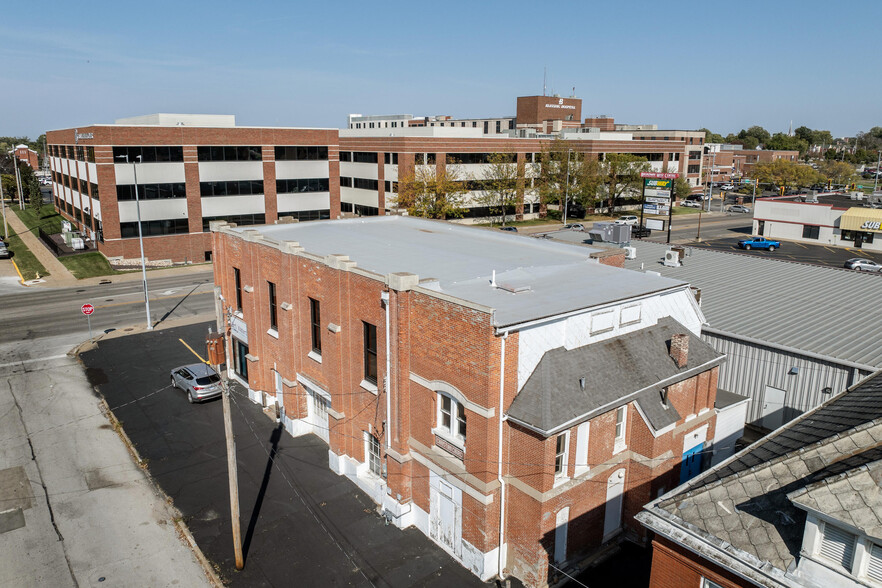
(301, 523)
(794, 251)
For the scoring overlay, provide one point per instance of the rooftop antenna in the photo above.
(574, 91)
(790, 132)
(544, 80)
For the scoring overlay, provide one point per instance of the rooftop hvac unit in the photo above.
(672, 259)
(630, 253)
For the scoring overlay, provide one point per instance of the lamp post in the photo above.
(140, 238)
(567, 189)
(17, 179)
(3, 205)
(876, 175)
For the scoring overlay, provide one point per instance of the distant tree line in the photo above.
(867, 144)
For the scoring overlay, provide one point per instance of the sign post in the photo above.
(658, 195)
(88, 309)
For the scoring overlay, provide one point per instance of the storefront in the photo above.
(859, 227)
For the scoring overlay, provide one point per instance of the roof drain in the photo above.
(493, 279)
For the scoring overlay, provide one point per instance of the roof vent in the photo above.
(582, 383)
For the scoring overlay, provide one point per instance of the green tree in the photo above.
(783, 172)
(430, 192)
(838, 172)
(756, 131)
(871, 140)
(710, 137)
(682, 188)
(621, 172)
(500, 185)
(551, 171)
(784, 142)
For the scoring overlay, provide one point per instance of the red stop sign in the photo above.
(88, 309)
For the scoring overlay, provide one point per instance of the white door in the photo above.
(317, 415)
(445, 516)
(560, 534)
(773, 407)
(612, 521)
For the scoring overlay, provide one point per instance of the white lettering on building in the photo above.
(871, 225)
(570, 106)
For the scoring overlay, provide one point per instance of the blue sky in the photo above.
(683, 65)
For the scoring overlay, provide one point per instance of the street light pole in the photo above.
(876, 175)
(140, 240)
(567, 190)
(3, 204)
(17, 180)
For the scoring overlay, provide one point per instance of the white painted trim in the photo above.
(451, 478)
(453, 392)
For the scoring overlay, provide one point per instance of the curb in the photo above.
(209, 570)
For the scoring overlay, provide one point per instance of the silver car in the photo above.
(198, 380)
(862, 264)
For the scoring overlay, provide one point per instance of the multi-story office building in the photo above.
(190, 169)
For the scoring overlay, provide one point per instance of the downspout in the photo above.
(499, 558)
(384, 296)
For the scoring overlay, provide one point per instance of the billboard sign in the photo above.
(659, 175)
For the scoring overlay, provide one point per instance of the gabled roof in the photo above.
(742, 514)
(635, 366)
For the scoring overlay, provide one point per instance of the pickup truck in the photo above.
(759, 243)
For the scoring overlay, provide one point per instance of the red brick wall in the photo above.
(674, 566)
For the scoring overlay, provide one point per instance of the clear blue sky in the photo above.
(684, 65)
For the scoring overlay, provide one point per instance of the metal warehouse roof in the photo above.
(822, 310)
(537, 278)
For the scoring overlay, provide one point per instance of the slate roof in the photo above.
(634, 366)
(743, 507)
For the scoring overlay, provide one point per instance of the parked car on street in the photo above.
(862, 264)
(759, 243)
(727, 187)
(575, 227)
(738, 208)
(510, 229)
(4, 252)
(629, 219)
(198, 380)
(691, 203)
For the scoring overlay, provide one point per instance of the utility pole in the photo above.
(567, 189)
(3, 204)
(216, 356)
(876, 175)
(18, 181)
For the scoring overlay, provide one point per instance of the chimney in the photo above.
(680, 349)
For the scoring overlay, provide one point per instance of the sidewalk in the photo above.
(59, 275)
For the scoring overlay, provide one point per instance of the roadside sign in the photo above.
(658, 200)
(659, 175)
(88, 309)
(656, 224)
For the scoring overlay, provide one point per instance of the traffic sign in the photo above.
(88, 309)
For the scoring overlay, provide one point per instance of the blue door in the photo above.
(691, 465)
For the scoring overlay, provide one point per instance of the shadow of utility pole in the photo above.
(255, 512)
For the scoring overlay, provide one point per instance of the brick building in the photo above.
(802, 507)
(190, 169)
(27, 155)
(516, 400)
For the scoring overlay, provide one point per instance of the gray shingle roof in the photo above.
(726, 398)
(797, 309)
(615, 371)
(744, 505)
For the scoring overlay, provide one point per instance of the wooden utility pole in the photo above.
(216, 357)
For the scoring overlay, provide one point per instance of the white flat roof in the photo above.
(459, 261)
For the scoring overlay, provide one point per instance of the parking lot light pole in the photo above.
(876, 175)
(140, 238)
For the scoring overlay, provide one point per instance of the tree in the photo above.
(710, 137)
(432, 193)
(784, 142)
(621, 172)
(682, 188)
(756, 131)
(500, 185)
(838, 172)
(551, 171)
(871, 140)
(783, 172)
(748, 142)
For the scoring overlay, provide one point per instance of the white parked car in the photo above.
(691, 203)
(727, 187)
(629, 219)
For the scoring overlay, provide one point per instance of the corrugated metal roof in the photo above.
(823, 310)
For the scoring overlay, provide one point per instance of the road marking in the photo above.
(156, 298)
(35, 360)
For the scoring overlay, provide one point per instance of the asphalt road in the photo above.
(301, 523)
(44, 311)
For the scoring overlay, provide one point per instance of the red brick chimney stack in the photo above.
(680, 349)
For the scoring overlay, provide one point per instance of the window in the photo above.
(237, 281)
(148, 154)
(499, 126)
(874, 562)
(451, 417)
(373, 446)
(271, 288)
(151, 191)
(837, 546)
(315, 325)
(365, 184)
(229, 153)
(705, 583)
(303, 185)
(153, 228)
(693, 169)
(486, 127)
(810, 232)
(346, 156)
(308, 215)
(238, 219)
(301, 153)
(240, 362)
(370, 353)
(561, 449)
(582, 434)
(364, 157)
(231, 188)
(621, 421)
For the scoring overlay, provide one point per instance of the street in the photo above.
(299, 520)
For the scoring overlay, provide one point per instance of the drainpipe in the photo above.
(384, 296)
(500, 562)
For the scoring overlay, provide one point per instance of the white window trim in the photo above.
(273, 333)
(818, 556)
(620, 444)
(367, 458)
(583, 435)
(314, 356)
(452, 434)
(562, 476)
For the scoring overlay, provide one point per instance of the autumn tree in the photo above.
(499, 186)
(563, 172)
(783, 172)
(430, 192)
(839, 172)
(621, 174)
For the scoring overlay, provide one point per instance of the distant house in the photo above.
(802, 507)
(27, 155)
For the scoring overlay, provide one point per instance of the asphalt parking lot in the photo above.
(301, 523)
(793, 251)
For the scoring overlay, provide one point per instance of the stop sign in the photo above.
(88, 309)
